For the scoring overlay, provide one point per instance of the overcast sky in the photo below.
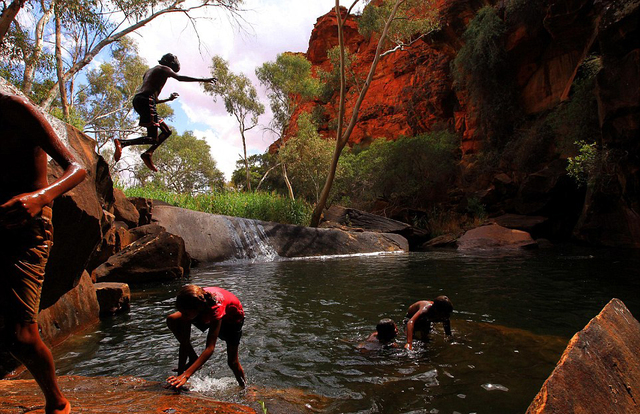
(270, 27)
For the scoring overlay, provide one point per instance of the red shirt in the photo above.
(228, 307)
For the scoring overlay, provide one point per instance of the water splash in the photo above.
(250, 240)
(212, 386)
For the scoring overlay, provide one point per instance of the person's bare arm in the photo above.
(27, 205)
(447, 327)
(214, 330)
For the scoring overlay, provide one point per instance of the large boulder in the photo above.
(113, 297)
(215, 238)
(152, 258)
(599, 372)
(124, 210)
(74, 311)
(493, 236)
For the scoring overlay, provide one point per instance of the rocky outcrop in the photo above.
(214, 238)
(106, 395)
(74, 311)
(600, 369)
(113, 297)
(493, 237)
(124, 210)
(152, 258)
(350, 219)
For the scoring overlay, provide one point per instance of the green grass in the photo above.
(259, 206)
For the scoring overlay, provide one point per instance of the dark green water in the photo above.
(513, 317)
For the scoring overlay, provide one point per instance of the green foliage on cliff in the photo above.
(330, 80)
(583, 166)
(414, 18)
(410, 172)
(257, 205)
(482, 70)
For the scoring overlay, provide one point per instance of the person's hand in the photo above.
(212, 81)
(178, 381)
(20, 209)
(173, 96)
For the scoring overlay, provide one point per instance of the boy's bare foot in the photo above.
(118, 151)
(64, 409)
(146, 158)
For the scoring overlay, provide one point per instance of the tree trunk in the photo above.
(342, 140)
(8, 16)
(287, 182)
(31, 63)
(59, 63)
(246, 161)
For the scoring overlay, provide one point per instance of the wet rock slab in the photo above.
(599, 372)
(111, 396)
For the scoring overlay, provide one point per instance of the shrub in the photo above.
(412, 172)
(582, 167)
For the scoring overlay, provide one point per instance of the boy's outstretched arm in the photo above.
(179, 380)
(24, 206)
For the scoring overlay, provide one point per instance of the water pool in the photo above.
(513, 317)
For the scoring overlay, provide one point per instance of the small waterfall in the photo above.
(250, 240)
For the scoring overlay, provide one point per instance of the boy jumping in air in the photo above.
(144, 103)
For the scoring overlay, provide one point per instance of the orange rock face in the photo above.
(599, 371)
(111, 395)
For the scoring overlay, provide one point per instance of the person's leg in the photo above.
(234, 364)
(28, 348)
(148, 154)
(181, 329)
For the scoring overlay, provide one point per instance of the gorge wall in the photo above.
(547, 45)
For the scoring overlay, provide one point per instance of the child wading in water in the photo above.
(210, 308)
(421, 314)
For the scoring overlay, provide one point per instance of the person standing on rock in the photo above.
(421, 314)
(26, 233)
(213, 309)
(144, 103)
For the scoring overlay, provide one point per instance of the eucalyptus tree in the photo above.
(288, 82)
(185, 166)
(240, 100)
(87, 27)
(397, 22)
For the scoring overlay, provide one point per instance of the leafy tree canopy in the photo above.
(185, 166)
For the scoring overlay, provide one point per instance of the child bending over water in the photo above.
(210, 308)
(422, 313)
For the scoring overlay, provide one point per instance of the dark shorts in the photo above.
(230, 332)
(145, 106)
(25, 252)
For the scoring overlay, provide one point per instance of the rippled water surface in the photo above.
(513, 317)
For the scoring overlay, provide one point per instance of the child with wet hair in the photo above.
(213, 309)
(383, 337)
(421, 314)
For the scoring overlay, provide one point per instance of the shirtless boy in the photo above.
(26, 233)
(421, 314)
(144, 103)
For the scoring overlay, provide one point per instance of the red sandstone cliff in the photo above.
(412, 93)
